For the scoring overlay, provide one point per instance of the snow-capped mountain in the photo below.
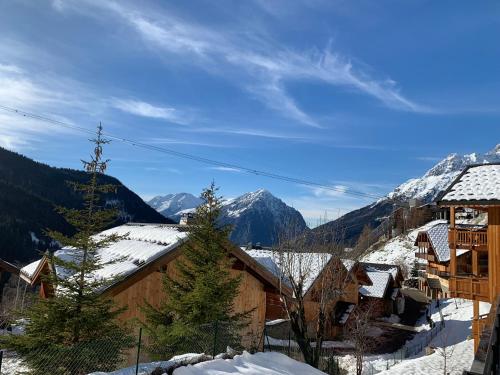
(425, 189)
(173, 205)
(260, 217)
(439, 177)
(255, 217)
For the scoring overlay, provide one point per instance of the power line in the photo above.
(193, 157)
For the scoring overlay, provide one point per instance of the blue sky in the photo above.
(361, 95)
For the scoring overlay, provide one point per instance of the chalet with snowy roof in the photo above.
(433, 246)
(384, 293)
(478, 188)
(316, 266)
(146, 253)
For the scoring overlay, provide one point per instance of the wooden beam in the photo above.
(452, 217)
(475, 263)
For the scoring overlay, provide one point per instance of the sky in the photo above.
(358, 95)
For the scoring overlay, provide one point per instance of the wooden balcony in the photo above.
(470, 287)
(464, 238)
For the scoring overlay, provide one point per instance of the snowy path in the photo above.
(458, 318)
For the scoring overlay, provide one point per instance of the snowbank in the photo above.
(250, 364)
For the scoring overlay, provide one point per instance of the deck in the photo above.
(468, 238)
(470, 287)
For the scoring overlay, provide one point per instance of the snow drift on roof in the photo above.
(479, 183)
(309, 265)
(143, 244)
(380, 282)
(438, 236)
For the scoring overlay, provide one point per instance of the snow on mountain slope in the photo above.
(255, 217)
(260, 217)
(398, 249)
(425, 188)
(170, 205)
(441, 175)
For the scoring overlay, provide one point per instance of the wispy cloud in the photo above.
(144, 109)
(266, 64)
(225, 169)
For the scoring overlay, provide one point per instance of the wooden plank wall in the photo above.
(252, 296)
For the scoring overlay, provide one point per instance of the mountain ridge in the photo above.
(257, 217)
(425, 188)
(29, 193)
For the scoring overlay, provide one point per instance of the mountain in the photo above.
(173, 205)
(256, 217)
(260, 217)
(425, 189)
(29, 194)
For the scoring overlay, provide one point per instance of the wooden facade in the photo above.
(145, 285)
(479, 278)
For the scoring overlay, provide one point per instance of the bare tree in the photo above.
(311, 267)
(358, 330)
(445, 350)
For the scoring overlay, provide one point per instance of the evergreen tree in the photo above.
(199, 299)
(75, 330)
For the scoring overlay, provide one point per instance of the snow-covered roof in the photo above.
(142, 244)
(478, 184)
(438, 237)
(348, 264)
(309, 265)
(392, 269)
(380, 282)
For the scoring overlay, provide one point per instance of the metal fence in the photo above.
(98, 356)
(280, 338)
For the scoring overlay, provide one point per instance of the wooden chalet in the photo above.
(147, 253)
(478, 188)
(384, 294)
(433, 246)
(320, 268)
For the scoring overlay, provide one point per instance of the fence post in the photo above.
(216, 327)
(138, 351)
(289, 345)
(1, 358)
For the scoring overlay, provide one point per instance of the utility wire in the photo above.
(193, 157)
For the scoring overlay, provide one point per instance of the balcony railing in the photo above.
(469, 238)
(469, 287)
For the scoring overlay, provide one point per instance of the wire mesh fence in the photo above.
(280, 338)
(105, 355)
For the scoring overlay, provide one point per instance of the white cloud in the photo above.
(225, 169)
(144, 109)
(265, 65)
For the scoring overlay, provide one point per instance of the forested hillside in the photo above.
(30, 192)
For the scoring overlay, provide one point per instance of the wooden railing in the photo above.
(469, 238)
(473, 288)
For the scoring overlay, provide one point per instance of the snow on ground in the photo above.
(147, 368)
(12, 364)
(250, 364)
(400, 248)
(458, 322)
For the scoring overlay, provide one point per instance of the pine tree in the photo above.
(75, 330)
(199, 300)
